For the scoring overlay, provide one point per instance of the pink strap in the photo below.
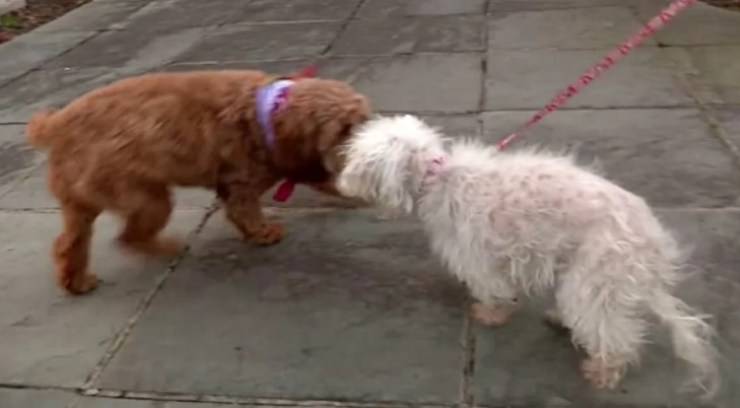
(647, 31)
(284, 191)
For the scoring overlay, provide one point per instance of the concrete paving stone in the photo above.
(729, 118)
(304, 197)
(131, 403)
(96, 15)
(520, 79)
(701, 24)
(245, 42)
(48, 89)
(404, 8)
(528, 363)
(50, 338)
(456, 126)
(174, 15)
(668, 156)
(29, 191)
(496, 6)
(12, 398)
(347, 307)
(293, 10)
(131, 51)
(17, 158)
(587, 28)
(444, 83)
(432, 83)
(714, 74)
(388, 36)
(28, 51)
(453, 125)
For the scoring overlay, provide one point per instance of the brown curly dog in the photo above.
(120, 148)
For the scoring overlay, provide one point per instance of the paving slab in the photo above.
(714, 73)
(440, 84)
(29, 191)
(165, 16)
(668, 156)
(134, 51)
(459, 126)
(403, 8)
(134, 403)
(48, 89)
(50, 338)
(12, 398)
(28, 51)
(16, 157)
(94, 16)
(388, 36)
(729, 119)
(701, 24)
(520, 79)
(527, 363)
(245, 42)
(347, 307)
(496, 6)
(293, 10)
(587, 28)
(427, 83)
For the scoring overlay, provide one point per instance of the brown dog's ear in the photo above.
(308, 72)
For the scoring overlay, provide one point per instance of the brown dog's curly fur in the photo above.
(120, 148)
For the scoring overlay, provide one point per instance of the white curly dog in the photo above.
(528, 221)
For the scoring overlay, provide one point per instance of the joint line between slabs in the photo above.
(715, 127)
(236, 400)
(123, 335)
(343, 28)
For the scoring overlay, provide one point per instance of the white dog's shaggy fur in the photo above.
(524, 222)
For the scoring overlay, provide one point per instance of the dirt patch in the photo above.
(728, 4)
(36, 13)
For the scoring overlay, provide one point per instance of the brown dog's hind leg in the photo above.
(145, 219)
(72, 249)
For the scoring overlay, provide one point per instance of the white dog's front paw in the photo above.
(602, 374)
(491, 315)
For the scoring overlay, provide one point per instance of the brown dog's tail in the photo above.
(39, 130)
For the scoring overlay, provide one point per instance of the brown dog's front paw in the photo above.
(80, 284)
(268, 234)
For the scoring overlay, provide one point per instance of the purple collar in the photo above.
(270, 99)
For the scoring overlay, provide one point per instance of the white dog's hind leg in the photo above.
(603, 324)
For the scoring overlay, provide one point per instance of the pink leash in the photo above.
(647, 31)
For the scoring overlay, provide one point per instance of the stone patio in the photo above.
(351, 310)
